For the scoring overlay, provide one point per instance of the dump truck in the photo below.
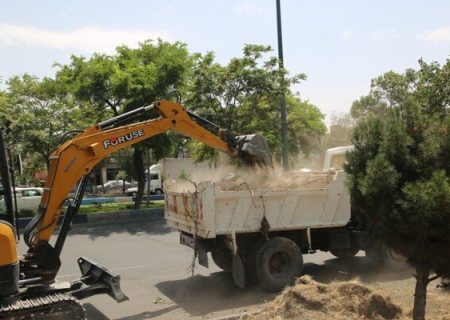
(261, 234)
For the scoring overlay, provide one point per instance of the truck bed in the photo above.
(210, 211)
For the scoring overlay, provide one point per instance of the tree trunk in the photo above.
(46, 158)
(420, 295)
(140, 172)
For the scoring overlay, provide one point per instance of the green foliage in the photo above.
(341, 128)
(390, 160)
(122, 175)
(184, 176)
(201, 152)
(244, 96)
(399, 171)
(428, 86)
(102, 208)
(114, 207)
(4, 105)
(130, 79)
(88, 90)
(429, 200)
(40, 115)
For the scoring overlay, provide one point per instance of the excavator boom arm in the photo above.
(77, 157)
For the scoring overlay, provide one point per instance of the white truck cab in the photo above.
(335, 158)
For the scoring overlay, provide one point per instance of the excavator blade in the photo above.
(96, 280)
(254, 150)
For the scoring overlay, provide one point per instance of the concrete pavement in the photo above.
(157, 279)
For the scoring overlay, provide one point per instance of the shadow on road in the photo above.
(200, 295)
(149, 314)
(95, 314)
(356, 267)
(156, 227)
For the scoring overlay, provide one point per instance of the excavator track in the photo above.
(49, 307)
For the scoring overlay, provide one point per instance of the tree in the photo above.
(41, 117)
(427, 86)
(243, 96)
(130, 79)
(341, 128)
(5, 107)
(400, 168)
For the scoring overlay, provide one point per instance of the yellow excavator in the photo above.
(28, 285)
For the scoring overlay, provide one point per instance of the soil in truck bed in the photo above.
(232, 179)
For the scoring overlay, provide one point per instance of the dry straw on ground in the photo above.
(308, 299)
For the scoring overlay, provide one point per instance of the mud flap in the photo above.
(238, 271)
(97, 279)
(202, 257)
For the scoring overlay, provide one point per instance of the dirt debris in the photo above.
(232, 179)
(309, 299)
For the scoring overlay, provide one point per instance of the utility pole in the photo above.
(283, 112)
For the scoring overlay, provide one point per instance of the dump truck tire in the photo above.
(393, 260)
(251, 260)
(278, 263)
(223, 258)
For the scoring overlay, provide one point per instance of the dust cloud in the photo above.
(229, 178)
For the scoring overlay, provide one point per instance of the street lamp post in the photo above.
(283, 112)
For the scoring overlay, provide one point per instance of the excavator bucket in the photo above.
(97, 279)
(254, 150)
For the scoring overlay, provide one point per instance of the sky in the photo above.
(339, 45)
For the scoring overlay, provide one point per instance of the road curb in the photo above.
(119, 199)
(109, 217)
(125, 215)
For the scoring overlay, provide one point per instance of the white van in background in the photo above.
(172, 169)
(156, 186)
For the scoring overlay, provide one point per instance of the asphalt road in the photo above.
(156, 276)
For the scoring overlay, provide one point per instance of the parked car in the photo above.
(27, 198)
(113, 185)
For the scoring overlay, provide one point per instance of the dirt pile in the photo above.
(232, 179)
(274, 179)
(308, 299)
